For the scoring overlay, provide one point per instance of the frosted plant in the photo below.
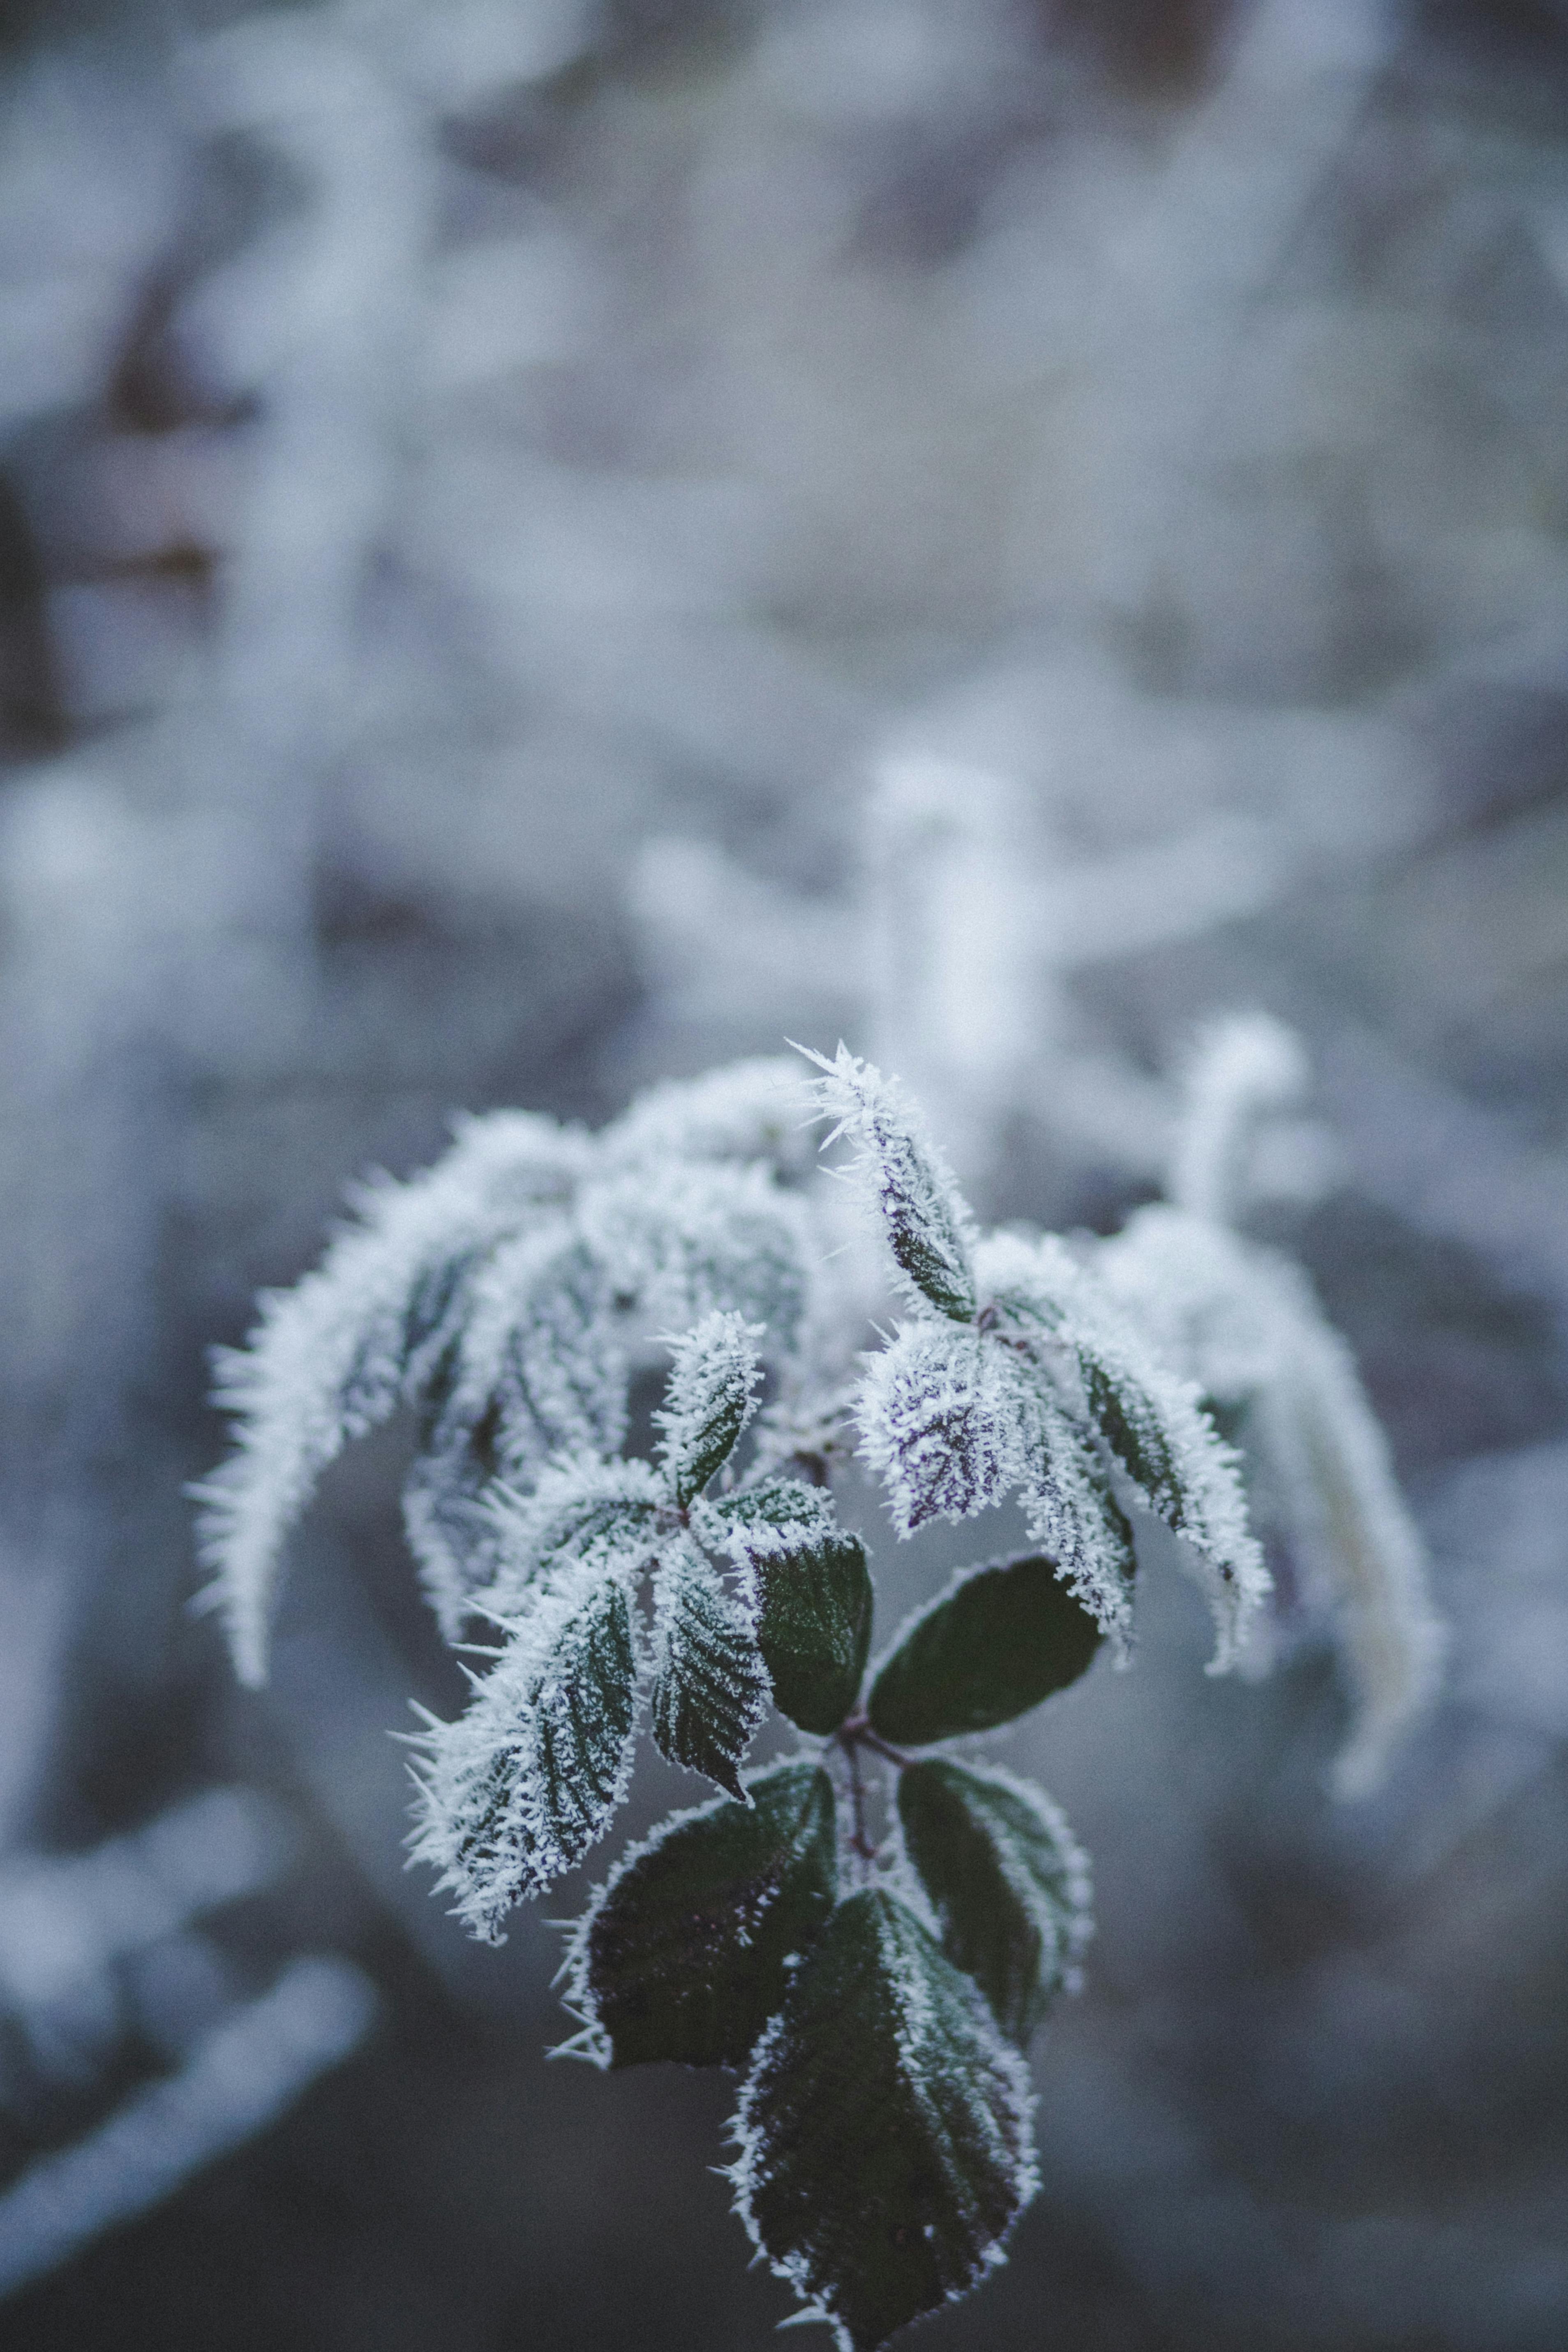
(1243, 1322)
(870, 1928)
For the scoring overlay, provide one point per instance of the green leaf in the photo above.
(710, 1687)
(712, 1395)
(814, 1629)
(685, 1953)
(884, 2129)
(1007, 1883)
(997, 1641)
(520, 1787)
(814, 1594)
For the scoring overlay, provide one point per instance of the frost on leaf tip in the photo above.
(517, 1790)
(337, 1354)
(926, 1223)
(711, 1395)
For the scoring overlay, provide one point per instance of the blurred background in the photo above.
(544, 543)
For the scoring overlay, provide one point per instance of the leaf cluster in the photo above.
(868, 1936)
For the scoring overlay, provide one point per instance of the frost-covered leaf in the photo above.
(1069, 1509)
(765, 1521)
(685, 1952)
(749, 1110)
(1361, 1558)
(813, 1593)
(1246, 1324)
(937, 1413)
(927, 1227)
(601, 1514)
(542, 1347)
(692, 1237)
(999, 1640)
(337, 1354)
(711, 1395)
(884, 2135)
(1241, 1066)
(1006, 1881)
(1149, 1420)
(814, 1629)
(447, 1517)
(710, 1687)
(518, 1788)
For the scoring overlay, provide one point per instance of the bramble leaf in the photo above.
(997, 1641)
(767, 1521)
(518, 1788)
(1007, 1882)
(602, 1513)
(684, 1952)
(335, 1356)
(710, 1687)
(938, 1412)
(814, 1629)
(885, 2146)
(1070, 1511)
(813, 1591)
(1070, 1326)
(711, 1396)
(927, 1226)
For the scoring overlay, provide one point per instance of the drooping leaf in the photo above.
(711, 1395)
(544, 1342)
(938, 1414)
(686, 1951)
(1149, 1420)
(518, 1788)
(447, 1516)
(997, 1641)
(333, 1357)
(1070, 1511)
(710, 1687)
(885, 2146)
(927, 1227)
(1005, 1879)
